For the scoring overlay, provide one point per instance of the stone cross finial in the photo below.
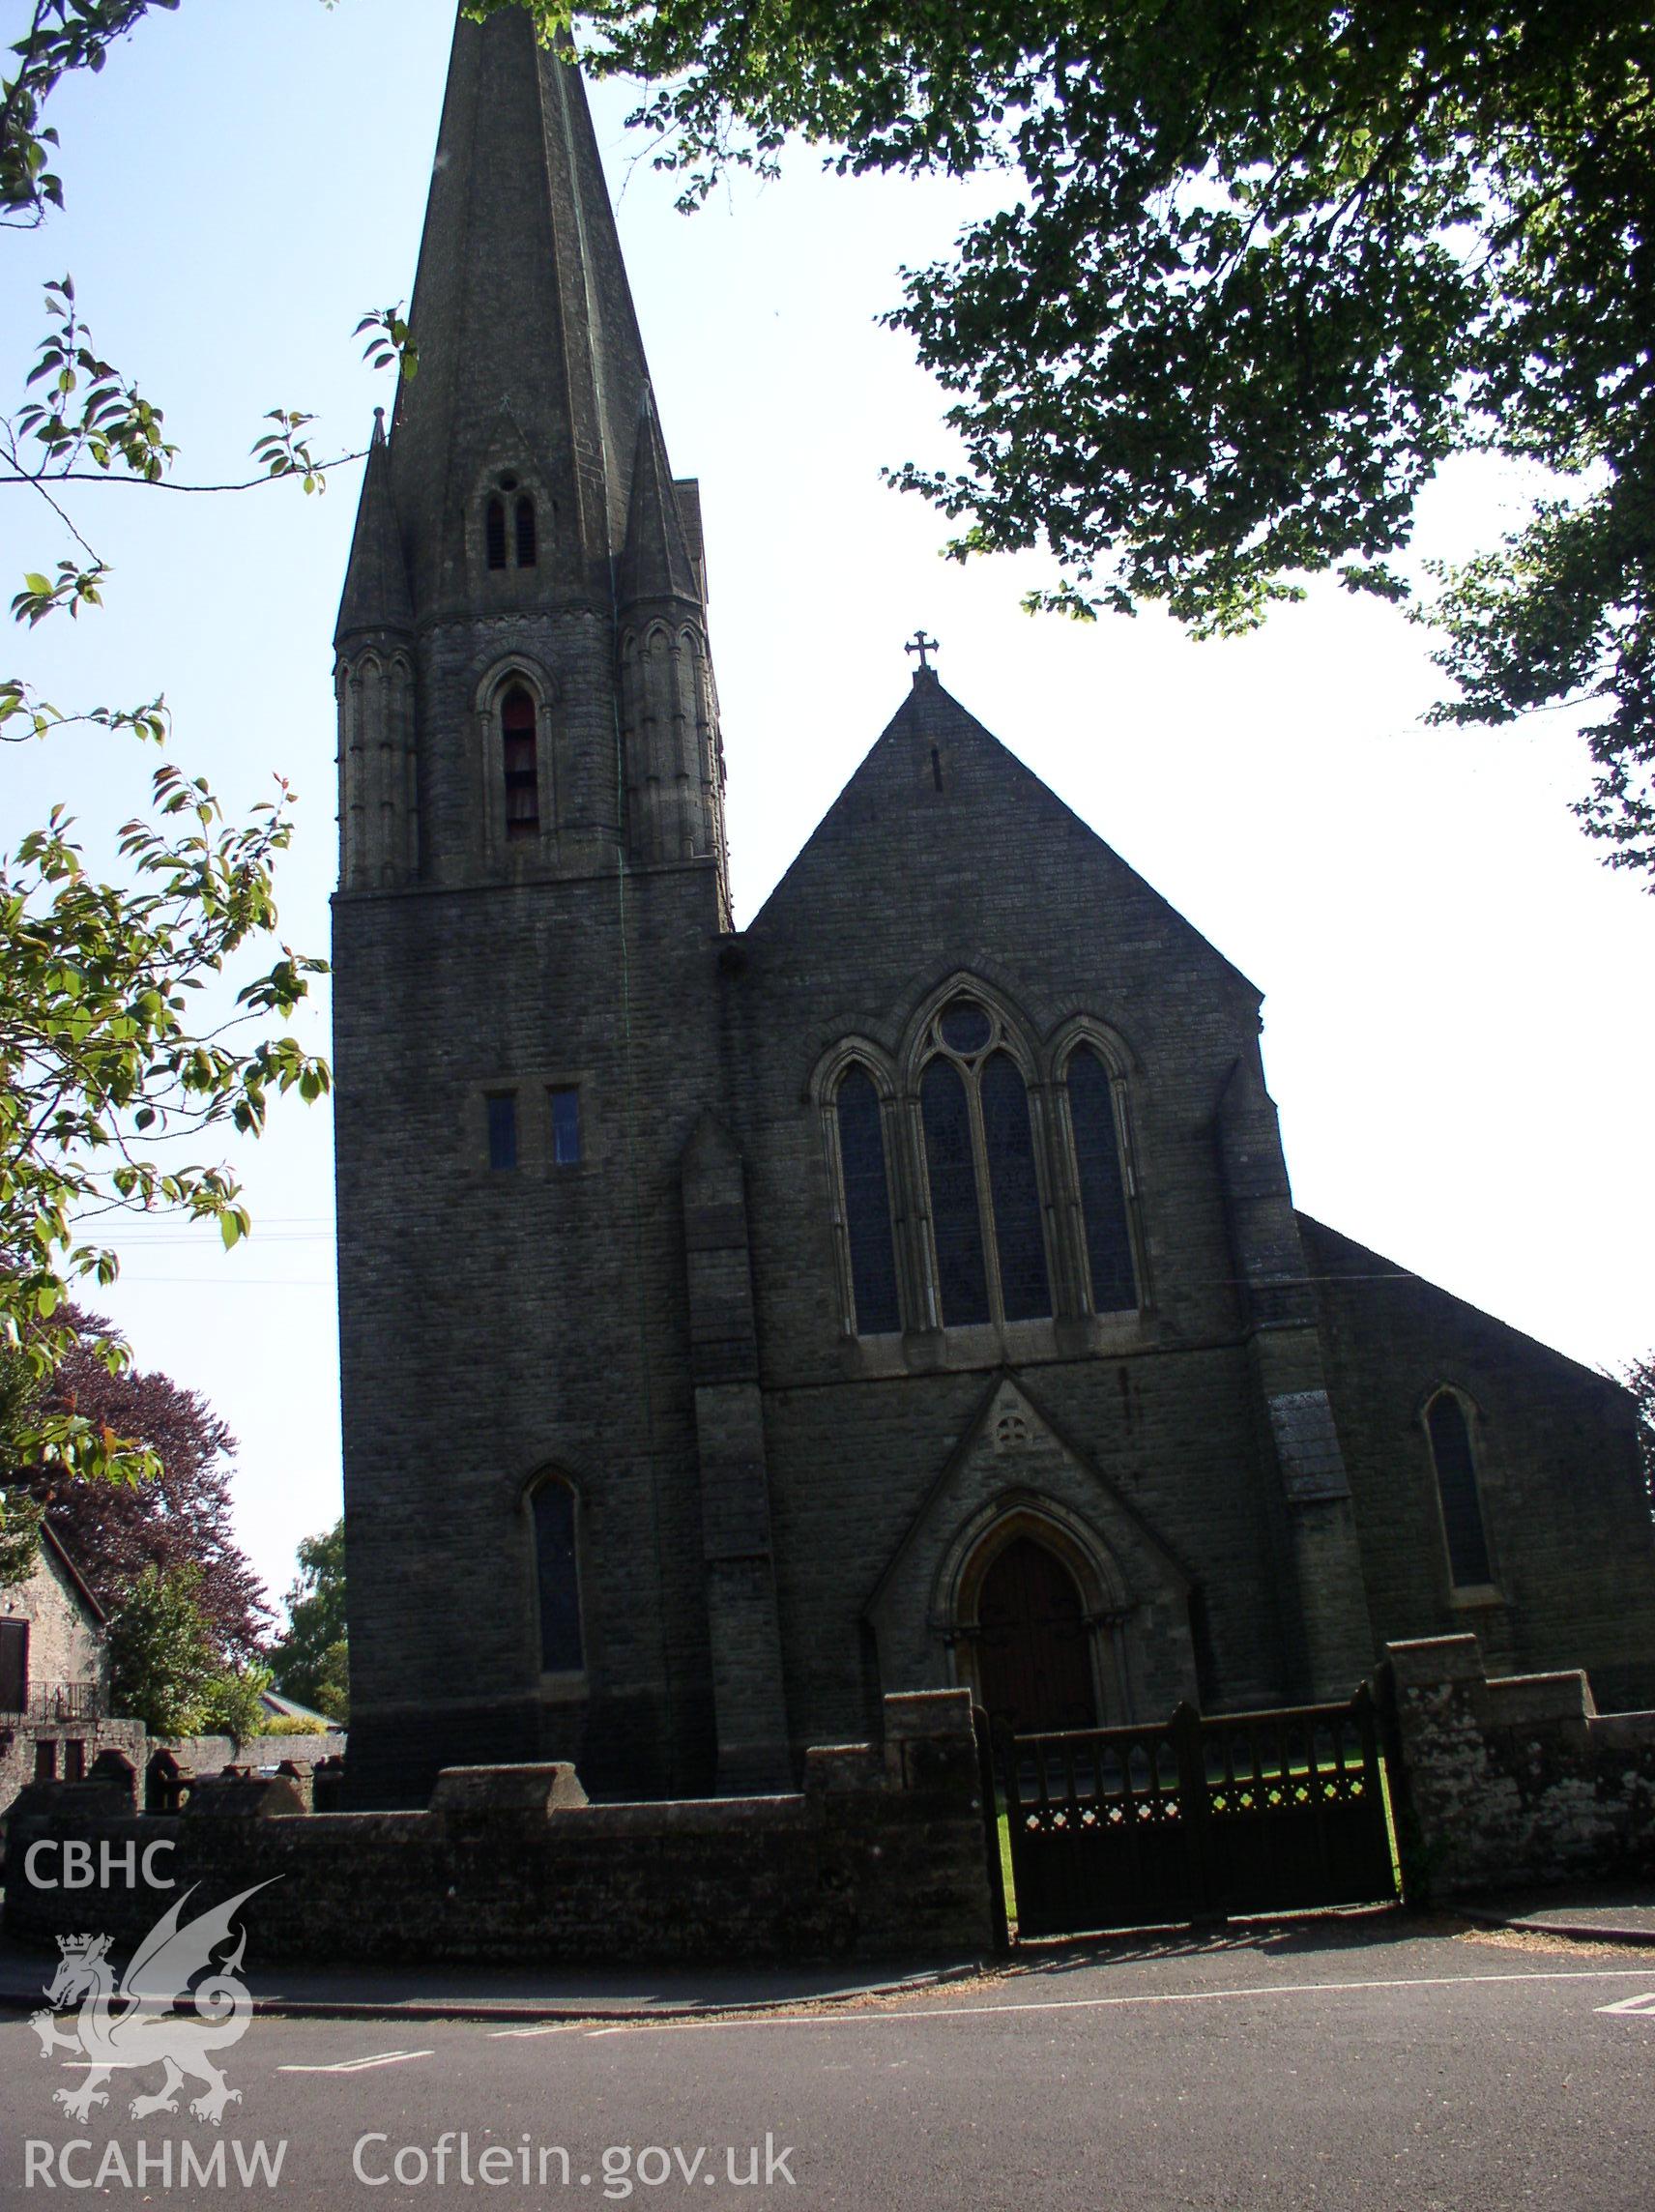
(923, 646)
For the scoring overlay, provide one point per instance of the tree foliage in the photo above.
(1262, 268)
(232, 1704)
(311, 1661)
(162, 1660)
(62, 35)
(1639, 1379)
(178, 1522)
(167, 1669)
(135, 1019)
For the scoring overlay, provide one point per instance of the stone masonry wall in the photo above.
(1567, 1516)
(20, 1741)
(883, 1852)
(65, 1644)
(1514, 1780)
(967, 866)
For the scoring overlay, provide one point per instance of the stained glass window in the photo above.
(867, 1206)
(1019, 1234)
(522, 774)
(956, 1214)
(559, 1580)
(1456, 1487)
(1103, 1191)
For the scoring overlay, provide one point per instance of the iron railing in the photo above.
(54, 1705)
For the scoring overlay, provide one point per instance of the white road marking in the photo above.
(909, 2015)
(361, 2065)
(548, 2028)
(1643, 2004)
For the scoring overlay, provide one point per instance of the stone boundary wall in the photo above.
(17, 1744)
(205, 1755)
(884, 1852)
(196, 1757)
(1511, 1781)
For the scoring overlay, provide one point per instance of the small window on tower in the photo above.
(565, 1128)
(494, 530)
(528, 538)
(503, 1132)
(558, 1578)
(522, 774)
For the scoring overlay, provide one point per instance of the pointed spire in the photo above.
(520, 303)
(656, 562)
(376, 582)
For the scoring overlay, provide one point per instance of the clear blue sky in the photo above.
(1457, 992)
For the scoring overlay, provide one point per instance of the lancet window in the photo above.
(518, 752)
(1455, 1463)
(557, 1576)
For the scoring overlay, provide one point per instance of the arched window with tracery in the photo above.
(494, 533)
(1451, 1455)
(863, 1177)
(557, 1578)
(1101, 1183)
(528, 534)
(521, 768)
(987, 1217)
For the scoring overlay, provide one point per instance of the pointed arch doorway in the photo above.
(1034, 1642)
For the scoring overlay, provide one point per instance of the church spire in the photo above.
(531, 364)
(376, 583)
(552, 608)
(655, 563)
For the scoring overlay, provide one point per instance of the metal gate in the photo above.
(1197, 1817)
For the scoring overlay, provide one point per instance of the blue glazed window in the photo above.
(1102, 1186)
(1024, 1287)
(503, 1132)
(1468, 1561)
(558, 1575)
(565, 1128)
(965, 1028)
(867, 1206)
(956, 1213)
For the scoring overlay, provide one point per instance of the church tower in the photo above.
(524, 512)
(533, 899)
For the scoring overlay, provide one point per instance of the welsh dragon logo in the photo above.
(128, 2028)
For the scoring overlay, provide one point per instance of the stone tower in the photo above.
(533, 899)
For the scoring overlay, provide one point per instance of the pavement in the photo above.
(1394, 2065)
(438, 1990)
(1620, 1914)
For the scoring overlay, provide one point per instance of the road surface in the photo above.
(1416, 2072)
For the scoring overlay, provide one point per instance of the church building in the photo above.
(905, 1290)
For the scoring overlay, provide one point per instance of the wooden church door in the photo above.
(1035, 1649)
